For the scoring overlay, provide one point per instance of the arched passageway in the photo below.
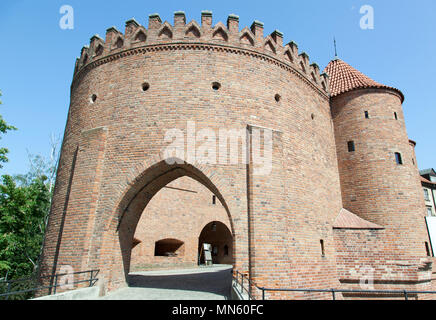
(167, 232)
(153, 190)
(221, 241)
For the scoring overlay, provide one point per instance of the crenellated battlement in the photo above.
(193, 35)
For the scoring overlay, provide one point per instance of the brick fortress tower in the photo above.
(322, 218)
(379, 181)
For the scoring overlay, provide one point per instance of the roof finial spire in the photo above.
(336, 51)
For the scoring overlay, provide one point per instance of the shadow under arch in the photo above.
(144, 188)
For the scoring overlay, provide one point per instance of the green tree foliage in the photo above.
(4, 127)
(23, 211)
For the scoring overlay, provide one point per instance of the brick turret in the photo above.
(379, 178)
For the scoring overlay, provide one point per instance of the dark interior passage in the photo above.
(220, 238)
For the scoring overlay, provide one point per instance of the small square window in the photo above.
(351, 147)
(366, 115)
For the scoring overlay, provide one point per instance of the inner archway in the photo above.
(167, 232)
(148, 191)
(218, 236)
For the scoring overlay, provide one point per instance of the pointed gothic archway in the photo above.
(144, 188)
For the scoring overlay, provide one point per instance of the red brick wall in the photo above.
(366, 255)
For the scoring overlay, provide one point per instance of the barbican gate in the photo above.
(343, 195)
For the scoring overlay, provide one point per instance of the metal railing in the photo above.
(406, 294)
(21, 289)
(240, 279)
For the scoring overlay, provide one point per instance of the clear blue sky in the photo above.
(37, 57)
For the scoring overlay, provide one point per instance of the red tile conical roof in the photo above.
(344, 78)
